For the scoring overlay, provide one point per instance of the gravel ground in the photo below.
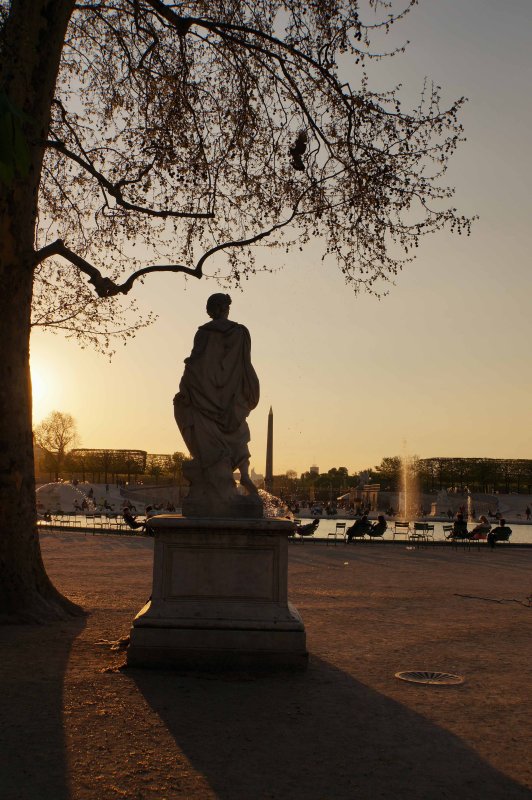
(74, 726)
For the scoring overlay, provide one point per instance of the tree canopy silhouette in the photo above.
(142, 136)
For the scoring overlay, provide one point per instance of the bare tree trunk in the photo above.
(34, 37)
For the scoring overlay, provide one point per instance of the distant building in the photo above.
(314, 470)
(257, 479)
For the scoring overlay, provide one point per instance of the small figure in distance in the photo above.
(449, 513)
(378, 528)
(459, 530)
(359, 528)
(501, 533)
(527, 512)
(481, 530)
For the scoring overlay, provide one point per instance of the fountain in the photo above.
(409, 493)
(274, 507)
(470, 515)
(61, 497)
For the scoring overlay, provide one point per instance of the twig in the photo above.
(528, 604)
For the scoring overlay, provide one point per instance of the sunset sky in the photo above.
(442, 362)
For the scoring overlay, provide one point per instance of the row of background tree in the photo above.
(57, 457)
(110, 466)
(434, 474)
(485, 475)
(476, 474)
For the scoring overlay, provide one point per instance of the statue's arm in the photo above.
(251, 381)
(198, 347)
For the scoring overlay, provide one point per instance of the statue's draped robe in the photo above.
(218, 390)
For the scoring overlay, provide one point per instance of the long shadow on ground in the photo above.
(315, 736)
(33, 761)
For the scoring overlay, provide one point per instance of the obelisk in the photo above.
(268, 480)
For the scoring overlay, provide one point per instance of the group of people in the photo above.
(363, 527)
(483, 530)
(151, 511)
(329, 509)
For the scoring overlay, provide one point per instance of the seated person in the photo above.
(309, 529)
(459, 530)
(131, 521)
(378, 528)
(501, 533)
(482, 529)
(360, 528)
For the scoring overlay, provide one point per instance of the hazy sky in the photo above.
(443, 361)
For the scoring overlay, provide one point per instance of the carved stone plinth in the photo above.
(219, 598)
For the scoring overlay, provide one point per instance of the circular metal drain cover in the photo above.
(432, 678)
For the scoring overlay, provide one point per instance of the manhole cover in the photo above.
(433, 678)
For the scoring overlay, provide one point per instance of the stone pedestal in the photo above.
(219, 597)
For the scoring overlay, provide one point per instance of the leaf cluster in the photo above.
(191, 132)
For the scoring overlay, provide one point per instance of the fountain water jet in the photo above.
(470, 515)
(61, 496)
(409, 493)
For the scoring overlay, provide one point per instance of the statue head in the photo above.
(218, 306)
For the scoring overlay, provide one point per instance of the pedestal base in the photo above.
(219, 598)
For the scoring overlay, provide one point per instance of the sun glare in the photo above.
(41, 393)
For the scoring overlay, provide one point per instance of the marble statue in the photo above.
(218, 390)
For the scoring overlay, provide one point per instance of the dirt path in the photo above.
(70, 729)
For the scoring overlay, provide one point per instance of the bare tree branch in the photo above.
(105, 287)
(115, 189)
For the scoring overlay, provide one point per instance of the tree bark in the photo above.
(34, 37)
